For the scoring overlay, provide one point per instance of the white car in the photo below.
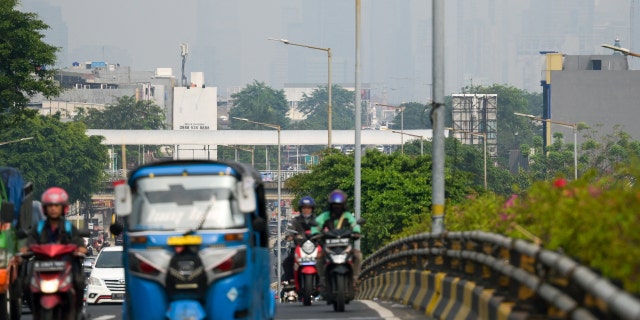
(106, 283)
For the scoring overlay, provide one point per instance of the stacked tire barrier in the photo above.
(480, 275)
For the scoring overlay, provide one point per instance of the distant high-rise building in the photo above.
(57, 34)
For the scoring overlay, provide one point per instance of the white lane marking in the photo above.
(106, 317)
(382, 311)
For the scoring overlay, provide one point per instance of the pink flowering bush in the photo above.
(595, 220)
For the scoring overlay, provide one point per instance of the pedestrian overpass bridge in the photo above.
(255, 137)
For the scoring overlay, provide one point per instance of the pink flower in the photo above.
(594, 191)
(560, 183)
(511, 201)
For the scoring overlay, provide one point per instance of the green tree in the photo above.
(603, 152)
(259, 102)
(396, 189)
(416, 116)
(60, 154)
(25, 62)
(127, 114)
(315, 107)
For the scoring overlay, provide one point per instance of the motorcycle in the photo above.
(338, 245)
(304, 268)
(51, 287)
(289, 292)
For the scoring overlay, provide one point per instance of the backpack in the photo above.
(67, 227)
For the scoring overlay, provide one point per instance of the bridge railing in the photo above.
(533, 280)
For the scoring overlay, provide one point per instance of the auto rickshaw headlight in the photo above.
(141, 266)
(237, 261)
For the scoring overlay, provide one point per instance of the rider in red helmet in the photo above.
(55, 205)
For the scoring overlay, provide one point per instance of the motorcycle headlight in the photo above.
(49, 286)
(308, 247)
(339, 258)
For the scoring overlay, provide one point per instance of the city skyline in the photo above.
(487, 41)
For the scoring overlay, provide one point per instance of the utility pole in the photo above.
(437, 118)
(358, 124)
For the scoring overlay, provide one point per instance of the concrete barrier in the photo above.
(439, 296)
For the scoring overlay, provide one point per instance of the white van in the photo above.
(106, 283)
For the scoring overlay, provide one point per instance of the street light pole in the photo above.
(414, 135)
(573, 126)
(279, 257)
(328, 51)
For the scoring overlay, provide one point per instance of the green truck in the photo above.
(16, 203)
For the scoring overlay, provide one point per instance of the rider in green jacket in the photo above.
(337, 218)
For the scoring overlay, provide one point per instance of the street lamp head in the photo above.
(530, 116)
(241, 119)
(285, 41)
(13, 141)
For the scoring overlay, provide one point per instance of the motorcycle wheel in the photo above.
(307, 289)
(340, 293)
(51, 314)
(15, 300)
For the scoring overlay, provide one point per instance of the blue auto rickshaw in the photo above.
(195, 242)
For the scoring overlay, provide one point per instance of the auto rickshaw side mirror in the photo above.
(7, 212)
(116, 228)
(246, 194)
(122, 201)
(260, 224)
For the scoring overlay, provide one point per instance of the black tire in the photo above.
(340, 293)
(15, 301)
(48, 314)
(307, 289)
(4, 306)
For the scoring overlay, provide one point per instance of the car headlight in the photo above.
(95, 281)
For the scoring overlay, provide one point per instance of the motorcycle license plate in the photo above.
(46, 266)
(117, 296)
(337, 242)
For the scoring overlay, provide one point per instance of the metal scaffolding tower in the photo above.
(476, 113)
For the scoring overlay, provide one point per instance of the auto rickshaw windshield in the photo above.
(185, 203)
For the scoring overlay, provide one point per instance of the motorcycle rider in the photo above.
(337, 217)
(296, 230)
(55, 205)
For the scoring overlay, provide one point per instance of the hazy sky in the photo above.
(487, 41)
